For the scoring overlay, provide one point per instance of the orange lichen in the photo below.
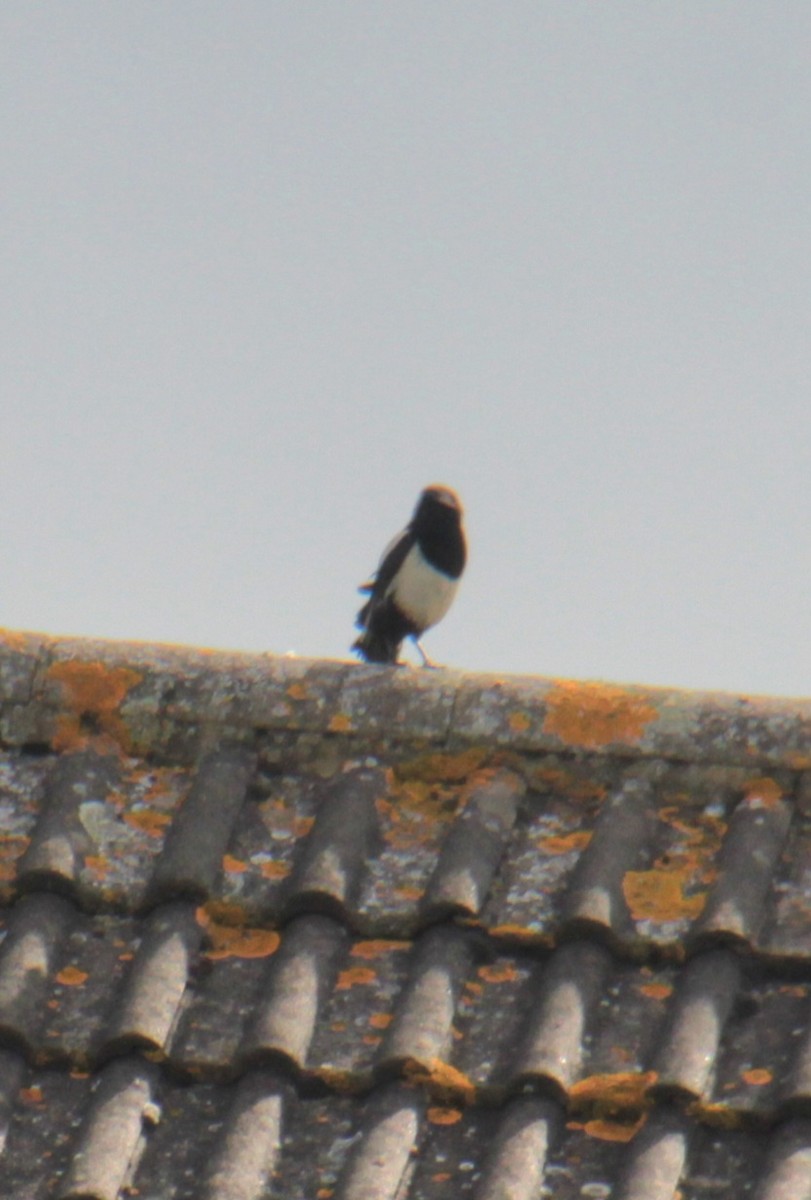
(97, 865)
(519, 933)
(657, 991)
(498, 973)
(380, 1020)
(419, 797)
(439, 1115)
(338, 1080)
(444, 1082)
(228, 934)
(12, 847)
(147, 820)
(31, 1095)
(339, 723)
(353, 976)
(518, 722)
(297, 691)
(14, 639)
(717, 1115)
(409, 893)
(375, 947)
(757, 1076)
(658, 894)
(610, 1131)
(229, 942)
(763, 792)
(275, 870)
(568, 783)
(596, 714)
(617, 1091)
(565, 843)
(443, 768)
(71, 977)
(93, 692)
(233, 866)
(220, 912)
(687, 866)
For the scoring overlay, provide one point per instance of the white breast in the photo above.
(420, 591)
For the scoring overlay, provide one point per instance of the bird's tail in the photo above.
(376, 647)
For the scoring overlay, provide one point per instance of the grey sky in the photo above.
(269, 268)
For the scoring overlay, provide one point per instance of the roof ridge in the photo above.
(176, 702)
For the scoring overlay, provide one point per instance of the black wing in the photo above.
(390, 563)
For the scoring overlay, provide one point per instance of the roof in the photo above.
(286, 928)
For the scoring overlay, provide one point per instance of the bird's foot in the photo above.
(426, 662)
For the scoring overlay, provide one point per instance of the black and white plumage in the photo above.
(416, 580)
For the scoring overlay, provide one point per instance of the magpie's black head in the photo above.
(437, 504)
(437, 527)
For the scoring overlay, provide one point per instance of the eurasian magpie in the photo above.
(416, 580)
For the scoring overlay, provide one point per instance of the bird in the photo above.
(416, 580)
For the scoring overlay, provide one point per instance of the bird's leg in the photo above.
(426, 662)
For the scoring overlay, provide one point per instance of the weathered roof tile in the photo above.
(560, 1015)
(33, 938)
(299, 981)
(689, 1050)
(149, 1003)
(421, 1031)
(193, 852)
(746, 864)
(106, 1150)
(516, 1161)
(473, 849)
(344, 835)
(250, 1143)
(382, 1158)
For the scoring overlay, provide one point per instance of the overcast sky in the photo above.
(271, 267)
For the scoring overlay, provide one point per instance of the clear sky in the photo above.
(270, 267)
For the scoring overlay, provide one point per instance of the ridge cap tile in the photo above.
(524, 712)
